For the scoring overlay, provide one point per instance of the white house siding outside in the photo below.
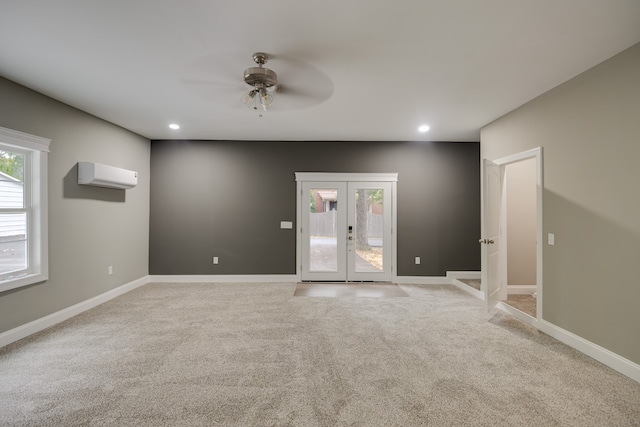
(11, 196)
(13, 227)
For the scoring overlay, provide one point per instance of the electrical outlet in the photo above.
(215, 260)
(551, 239)
(417, 260)
(110, 270)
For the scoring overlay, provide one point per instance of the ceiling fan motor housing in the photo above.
(255, 76)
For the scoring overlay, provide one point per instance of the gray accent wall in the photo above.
(227, 198)
(90, 228)
(590, 130)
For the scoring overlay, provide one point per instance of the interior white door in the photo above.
(346, 232)
(490, 241)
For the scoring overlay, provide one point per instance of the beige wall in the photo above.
(520, 186)
(89, 228)
(590, 130)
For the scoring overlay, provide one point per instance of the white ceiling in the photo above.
(349, 69)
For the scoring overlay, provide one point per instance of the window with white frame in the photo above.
(23, 209)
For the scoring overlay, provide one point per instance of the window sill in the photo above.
(18, 282)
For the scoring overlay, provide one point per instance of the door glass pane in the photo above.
(369, 230)
(323, 229)
(13, 242)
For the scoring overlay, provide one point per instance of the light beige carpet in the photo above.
(255, 355)
(343, 290)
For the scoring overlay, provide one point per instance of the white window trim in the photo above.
(38, 228)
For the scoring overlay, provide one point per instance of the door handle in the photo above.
(486, 241)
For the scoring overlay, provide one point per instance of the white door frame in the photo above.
(537, 154)
(346, 177)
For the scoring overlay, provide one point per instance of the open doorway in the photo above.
(512, 234)
(520, 208)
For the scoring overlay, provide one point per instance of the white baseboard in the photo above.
(224, 278)
(38, 325)
(521, 289)
(601, 354)
(473, 291)
(464, 275)
(532, 321)
(456, 276)
(450, 279)
(422, 280)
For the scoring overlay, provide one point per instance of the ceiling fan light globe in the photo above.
(249, 97)
(266, 100)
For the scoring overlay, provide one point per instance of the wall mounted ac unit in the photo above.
(100, 175)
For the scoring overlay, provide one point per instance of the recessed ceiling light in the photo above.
(423, 128)
(174, 126)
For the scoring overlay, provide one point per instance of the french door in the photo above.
(346, 228)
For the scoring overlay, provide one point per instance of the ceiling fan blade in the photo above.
(215, 78)
(302, 87)
(206, 82)
(214, 69)
(287, 97)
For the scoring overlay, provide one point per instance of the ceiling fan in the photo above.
(261, 79)
(215, 78)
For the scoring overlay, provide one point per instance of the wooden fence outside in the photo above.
(324, 224)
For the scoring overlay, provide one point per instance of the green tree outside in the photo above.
(12, 164)
(312, 202)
